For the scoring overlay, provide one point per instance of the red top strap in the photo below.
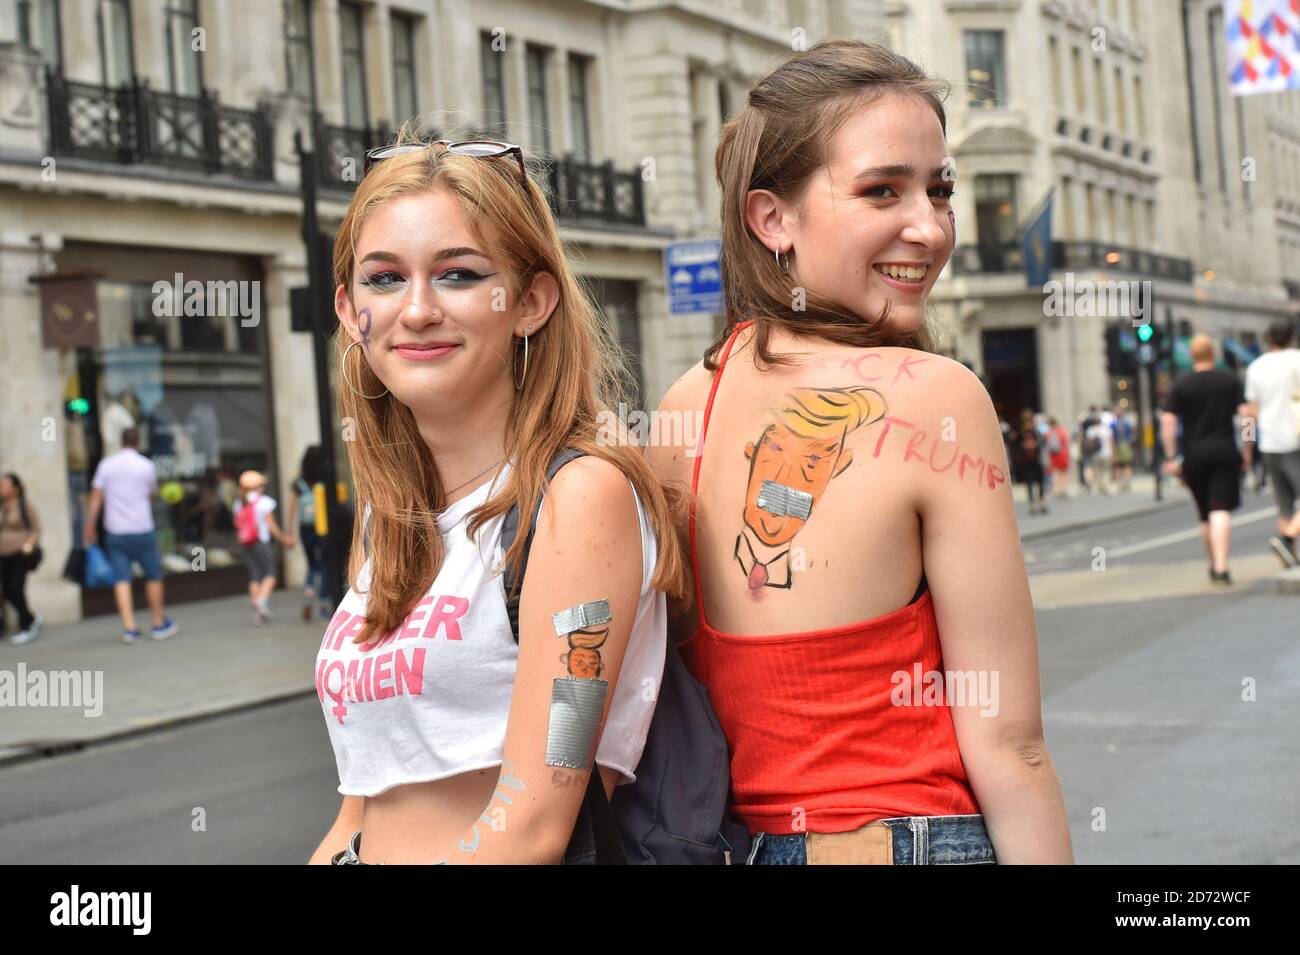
(699, 459)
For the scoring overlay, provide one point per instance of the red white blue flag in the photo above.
(1263, 39)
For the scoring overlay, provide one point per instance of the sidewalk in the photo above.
(217, 663)
(1070, 513)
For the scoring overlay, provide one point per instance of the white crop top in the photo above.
(430, 700)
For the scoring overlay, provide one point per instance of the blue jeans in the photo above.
(125, 549)
(313, 548)
(918, 840)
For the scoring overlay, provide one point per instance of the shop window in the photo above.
(195, 387)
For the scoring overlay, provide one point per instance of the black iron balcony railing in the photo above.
(988, 257)
(134, 124)
(581, 190)
(577, 191)
(1100, 255)
(341, 152)
(1009, 257)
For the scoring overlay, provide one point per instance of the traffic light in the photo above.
(1121, 349)
(1150, 343)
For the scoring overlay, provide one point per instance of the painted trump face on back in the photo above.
(803, 464)
(791, 465)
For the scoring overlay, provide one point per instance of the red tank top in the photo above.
(816, 740)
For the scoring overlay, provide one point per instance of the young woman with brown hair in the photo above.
(469, 358)
(857, 564)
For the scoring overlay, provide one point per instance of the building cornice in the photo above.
(1104, 160)
(981, 6)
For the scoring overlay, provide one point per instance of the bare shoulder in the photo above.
(690, 391)
(589, 490)
(680, 416)
(589, 530)
(925, 383)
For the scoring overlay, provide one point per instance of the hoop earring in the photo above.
(785, 269)
(520, 383)
(344, 372)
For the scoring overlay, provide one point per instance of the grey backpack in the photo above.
(676, 811)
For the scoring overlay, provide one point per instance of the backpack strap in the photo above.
(510, 530)
(595, 833)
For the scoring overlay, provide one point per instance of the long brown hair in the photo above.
(575, 371)
(777, 142)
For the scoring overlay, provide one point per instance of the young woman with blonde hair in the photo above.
(469, 359)
(864, 623)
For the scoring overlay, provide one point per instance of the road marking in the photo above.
(1158, 542)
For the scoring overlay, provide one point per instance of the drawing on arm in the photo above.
(790, 467)
(578, 700)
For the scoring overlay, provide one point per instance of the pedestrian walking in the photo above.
(476, 370)
(1273, 404)
(302, 506)
(256, 526)
(1058, 457)
(1121, 429)
(20, 553)
(1088, 447)
(1203, 403)
(1099, 450)
(820, 582)
(1027, 461)
(123, 488)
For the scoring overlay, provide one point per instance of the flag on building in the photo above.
(1036, 245)
(1263, 39)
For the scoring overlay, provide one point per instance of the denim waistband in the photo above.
(917, 840)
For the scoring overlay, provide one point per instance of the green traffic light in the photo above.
(1145, 332)
(79, 406)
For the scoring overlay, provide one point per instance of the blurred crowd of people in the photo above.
(1043, 452)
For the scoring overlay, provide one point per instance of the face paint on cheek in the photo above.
(952, 221)
(364, 321)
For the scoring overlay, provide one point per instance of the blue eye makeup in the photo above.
(455, 278)
(382, 281)
(461, 277)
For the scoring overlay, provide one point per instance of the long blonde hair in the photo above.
(575, 371)
(777, 142)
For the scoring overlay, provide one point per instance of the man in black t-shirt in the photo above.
(1204, 403)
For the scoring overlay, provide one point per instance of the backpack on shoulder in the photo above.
(246, 523)
(675, 813)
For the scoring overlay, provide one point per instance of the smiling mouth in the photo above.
(904, 273)
(424, 351)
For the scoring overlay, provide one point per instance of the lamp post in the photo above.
(320, 310)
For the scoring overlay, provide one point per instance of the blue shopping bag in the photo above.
(99, 572)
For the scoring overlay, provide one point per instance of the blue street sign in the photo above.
(694, 277)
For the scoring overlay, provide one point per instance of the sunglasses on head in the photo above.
(474, 148)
